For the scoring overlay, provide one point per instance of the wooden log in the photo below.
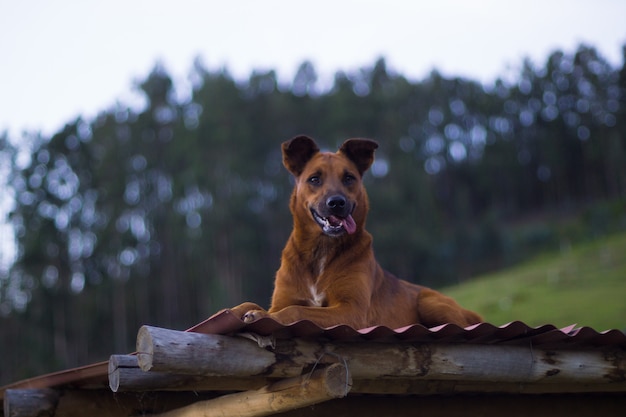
(126, 375)
(285, 395)
(201, 354)
(413, 386)
(128, 379)
(124, 370)
(482, 363)
(30, 402)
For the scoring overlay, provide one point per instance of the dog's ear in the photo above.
(360, 151)
(297, 152)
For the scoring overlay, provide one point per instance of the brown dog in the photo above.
(328, 273)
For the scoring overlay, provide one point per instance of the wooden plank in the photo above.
(30, 402)
(289, 394)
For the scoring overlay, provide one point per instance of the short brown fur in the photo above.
(331, 276)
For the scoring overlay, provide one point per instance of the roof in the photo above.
(224, 323)
(302, 369)
(514, 333)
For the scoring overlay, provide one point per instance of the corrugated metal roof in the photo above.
(515, 333)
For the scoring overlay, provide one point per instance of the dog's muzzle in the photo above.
(337, 216)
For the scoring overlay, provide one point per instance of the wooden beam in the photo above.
(171, 351)
(412, 386)
(201, 354)
(124, 370)
(126, 375)
(130, 378)
(30, 402)
(285, 395)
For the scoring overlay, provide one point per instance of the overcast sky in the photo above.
(64, 58)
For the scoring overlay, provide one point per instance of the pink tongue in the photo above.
(349, 224)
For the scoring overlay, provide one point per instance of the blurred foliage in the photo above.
(166, 214)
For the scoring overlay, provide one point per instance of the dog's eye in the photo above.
(315, 180)
(349, 179)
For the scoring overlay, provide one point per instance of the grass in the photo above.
(584, 285)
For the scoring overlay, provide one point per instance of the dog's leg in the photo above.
(436, 309)
(322, 316)
(242, 309)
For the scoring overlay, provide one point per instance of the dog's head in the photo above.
(329, 193)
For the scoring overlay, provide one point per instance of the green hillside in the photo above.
(584, 284)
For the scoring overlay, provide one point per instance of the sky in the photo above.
(64, 58)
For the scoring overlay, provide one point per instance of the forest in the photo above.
(163, 215)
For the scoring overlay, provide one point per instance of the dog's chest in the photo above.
(317, 298)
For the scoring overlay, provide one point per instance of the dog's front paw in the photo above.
(253, 315)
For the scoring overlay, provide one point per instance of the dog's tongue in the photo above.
(348, 223)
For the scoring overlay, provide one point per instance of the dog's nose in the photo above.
(337, 205)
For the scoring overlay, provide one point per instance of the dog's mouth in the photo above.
(333, 225)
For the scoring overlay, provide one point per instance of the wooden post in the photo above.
(289, 394)
(30, 402)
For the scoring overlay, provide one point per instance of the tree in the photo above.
(166, 214)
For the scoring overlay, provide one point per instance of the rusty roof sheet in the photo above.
(514, 333)
(225, 322)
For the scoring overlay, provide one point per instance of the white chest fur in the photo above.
(321, 266)
(317, 298)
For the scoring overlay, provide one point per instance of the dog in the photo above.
(328, 273)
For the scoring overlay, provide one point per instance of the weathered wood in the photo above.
(289, 394)
(126, 375)
(200, 354)
(136, 380)
(30, 402)
(481, 363)
(413, 386)
(124, 370)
